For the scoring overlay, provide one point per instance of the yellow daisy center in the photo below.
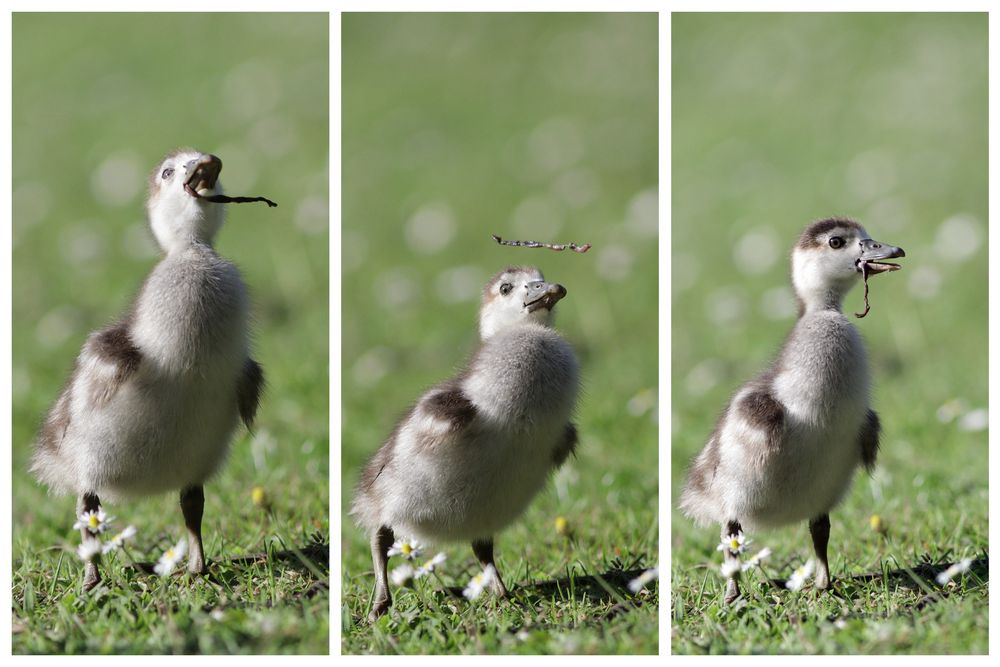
(406, 549)
(93, 521)
(734, 544)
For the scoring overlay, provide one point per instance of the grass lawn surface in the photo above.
(98, 100)
(779, 120)
(539, 127)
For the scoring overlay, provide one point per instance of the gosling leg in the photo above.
(88, 502)
(193, 506)
(381, 541)
(484, 552)
(732, 583)
(819, 528)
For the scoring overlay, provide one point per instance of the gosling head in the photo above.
(178, 216)
(516, 295)
(831, 256)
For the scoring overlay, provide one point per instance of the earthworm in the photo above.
(223, 199)
(558, 247)
(864, 276)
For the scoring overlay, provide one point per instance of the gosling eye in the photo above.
(167, 173)
(505, 289)
(836, 242)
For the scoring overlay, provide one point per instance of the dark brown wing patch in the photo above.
(248, 391)
(452, 406)
(115, 347)
(868, 439)
(764, 412)
(566, 446)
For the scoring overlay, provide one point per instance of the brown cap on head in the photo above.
(488, 288)
(811, 237)
(152, 179)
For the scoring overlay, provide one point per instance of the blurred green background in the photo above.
(98, 99)
(780, 119)
(531, 126)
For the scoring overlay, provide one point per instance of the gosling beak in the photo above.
(541, 294)
(872, 251)
(203, 174)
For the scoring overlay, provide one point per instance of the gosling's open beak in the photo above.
(872, 251)
(541, 294)
(203, 174)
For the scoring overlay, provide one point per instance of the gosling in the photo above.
(154, 399)
(473, 451)
(788, 444)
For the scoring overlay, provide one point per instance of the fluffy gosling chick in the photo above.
(153, 400)
(788, 443)
(473, 451)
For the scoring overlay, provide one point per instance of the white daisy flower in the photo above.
(736, 544)
(96, 522)
(169, 560)
(408, 550)
(479, 582)
(640, 582)
(402, 575)
(429, 566)
(800, 576)
(953, 571)
(119, 539)
(756, 558)
(89, 548)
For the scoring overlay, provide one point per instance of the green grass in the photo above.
(527, 126)
(110, 94)
(778, 120)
